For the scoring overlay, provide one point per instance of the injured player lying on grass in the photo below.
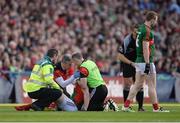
(69, 105)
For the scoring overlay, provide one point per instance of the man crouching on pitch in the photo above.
(60, 78)
(91, 82)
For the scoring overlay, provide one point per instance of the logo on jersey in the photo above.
(120, 50)
(137, 39)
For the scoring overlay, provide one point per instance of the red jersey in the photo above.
(78, 96)
(59, 72)
(65, 74)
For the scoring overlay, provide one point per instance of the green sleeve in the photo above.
(145, 33)
(142, 33)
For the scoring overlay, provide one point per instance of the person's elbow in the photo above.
(63, 85)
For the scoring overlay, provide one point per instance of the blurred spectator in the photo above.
(94, 27)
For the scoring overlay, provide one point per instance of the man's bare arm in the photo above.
(122, 58)
(146, 56)
(146, 51)
(85, 89)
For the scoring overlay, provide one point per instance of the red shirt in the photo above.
(78, 96)
(61, 22)
(59, 72)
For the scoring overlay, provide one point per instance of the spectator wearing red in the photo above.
(61, 21)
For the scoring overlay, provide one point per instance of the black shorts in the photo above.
(98, 94)
(128, 71)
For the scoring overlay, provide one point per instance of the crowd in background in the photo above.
(94, 27)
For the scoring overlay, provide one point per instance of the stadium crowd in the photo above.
(94, 27)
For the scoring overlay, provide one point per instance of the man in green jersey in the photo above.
(91, 82)
(145, 68)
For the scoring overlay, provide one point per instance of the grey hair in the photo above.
(66, 58)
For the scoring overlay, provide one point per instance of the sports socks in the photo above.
(140, 98)
(125, 94)
(155, 106)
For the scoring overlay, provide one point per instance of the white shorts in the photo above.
(67, 104)
(140, 67)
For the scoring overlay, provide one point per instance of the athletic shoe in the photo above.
(36, 108)
(113, 105)
(160, 110)
(127, 109)
(106, 106)
(58, 109)
(141, 109)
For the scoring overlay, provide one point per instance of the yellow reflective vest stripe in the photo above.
(41, 77)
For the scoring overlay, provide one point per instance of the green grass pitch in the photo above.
(8, 113)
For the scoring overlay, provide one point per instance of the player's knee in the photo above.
(67, 105)
(127, 87)
(138, 87)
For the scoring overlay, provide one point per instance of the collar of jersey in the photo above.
(47, 58)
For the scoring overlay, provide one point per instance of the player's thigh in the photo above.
(46, 93)
(128, 71)
(139, 79)
(128, 82)
(128, 75)
(140, 67)
(98, 94)
(151, 79)
(66, 104)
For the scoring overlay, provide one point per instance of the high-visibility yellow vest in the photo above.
(41, 76)
(94, 79)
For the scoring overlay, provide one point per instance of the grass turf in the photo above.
(8, 113)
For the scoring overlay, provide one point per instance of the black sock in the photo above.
(140, 98)
(125, 94)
